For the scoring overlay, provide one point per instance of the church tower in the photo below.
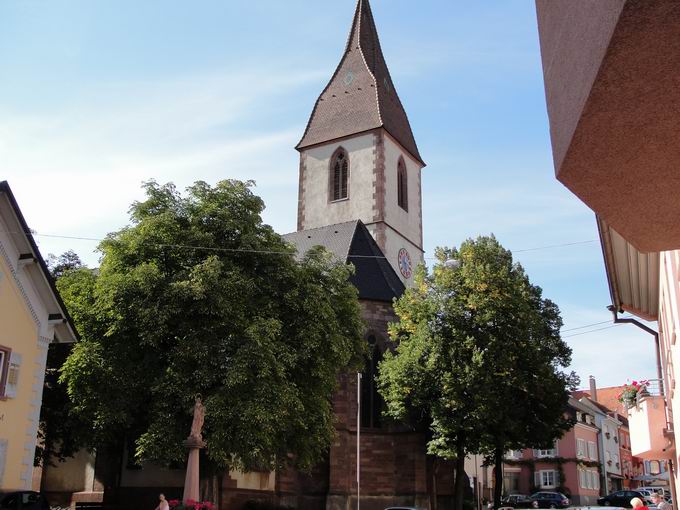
(358, 157)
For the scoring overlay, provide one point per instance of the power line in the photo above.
(587, 326)
(556, 246)
(183, 246)
(591, 331)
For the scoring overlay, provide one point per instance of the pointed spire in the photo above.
(360, 95)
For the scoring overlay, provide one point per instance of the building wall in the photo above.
(585, 480)
(626, 458)
(403, 229)
(318, 210)
(573, 463)
(669, 325)
(23, 329)
(372, 195)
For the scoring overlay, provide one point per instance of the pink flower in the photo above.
(207, 505)
(190, 503)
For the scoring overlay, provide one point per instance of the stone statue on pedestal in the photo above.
(194, 443)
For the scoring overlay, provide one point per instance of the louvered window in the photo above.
(339, 175)
(402, 186)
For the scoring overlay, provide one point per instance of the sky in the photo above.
(98, 97)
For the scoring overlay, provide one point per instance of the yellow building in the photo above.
(31, 317)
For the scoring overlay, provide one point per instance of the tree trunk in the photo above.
(498, 475)
(434, 495)
(459, 485)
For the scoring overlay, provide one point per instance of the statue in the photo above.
(199, 418)
(194, 443)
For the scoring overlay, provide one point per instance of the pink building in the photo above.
(611, 70)
(571, 467)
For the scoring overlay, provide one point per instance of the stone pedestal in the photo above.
(191, 480)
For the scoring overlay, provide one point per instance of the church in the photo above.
(359, 196)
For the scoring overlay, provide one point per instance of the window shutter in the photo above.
(556, 474)
(537, 479)
(3, 458)
(13, 375)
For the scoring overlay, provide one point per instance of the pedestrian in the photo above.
(163, 505)
(638, 504)
(660, 502)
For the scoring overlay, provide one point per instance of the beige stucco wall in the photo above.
(18, 416)
(319, 210)
(76, 474)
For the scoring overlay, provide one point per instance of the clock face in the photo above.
(349, 78)
(405, 263)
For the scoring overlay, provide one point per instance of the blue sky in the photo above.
(96, 97)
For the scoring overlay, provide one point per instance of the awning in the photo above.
(633, 275)
(649, 478)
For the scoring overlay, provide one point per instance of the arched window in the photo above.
(402, 185)
(339, 175)
(371, 401)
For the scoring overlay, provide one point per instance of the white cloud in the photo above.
(76, 170)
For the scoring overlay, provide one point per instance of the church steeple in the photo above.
(361, 95)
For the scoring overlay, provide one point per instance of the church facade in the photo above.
(360, 197)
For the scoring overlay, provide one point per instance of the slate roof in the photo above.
(361, 95)
(351, 242)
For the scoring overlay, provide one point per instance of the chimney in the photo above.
(593, 389)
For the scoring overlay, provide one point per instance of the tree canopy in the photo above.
(198, 296)
(479, 357)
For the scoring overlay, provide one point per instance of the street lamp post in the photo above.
(358, 440)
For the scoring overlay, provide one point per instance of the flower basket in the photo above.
(629, 394)
(190, 504)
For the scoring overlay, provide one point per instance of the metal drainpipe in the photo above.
(662, 386)
(659, 371)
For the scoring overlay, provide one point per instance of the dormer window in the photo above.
(402, 185)
(339, 175)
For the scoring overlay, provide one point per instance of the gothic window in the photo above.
(371, 401)
(402, 185)
(339, 175)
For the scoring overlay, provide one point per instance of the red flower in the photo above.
(173, 503)
(207, 505)
(190, 503)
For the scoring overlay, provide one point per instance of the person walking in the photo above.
(660, 502)
(163, 505)
(638, 504)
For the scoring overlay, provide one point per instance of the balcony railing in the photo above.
(650, 437)
(653, 388)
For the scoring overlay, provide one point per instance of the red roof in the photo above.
(361, 95)
(607, 398)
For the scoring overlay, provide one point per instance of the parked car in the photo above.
(23, 500)
(648, 496)
(620, 498)
(550, 500)
(517, 501)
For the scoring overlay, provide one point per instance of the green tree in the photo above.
(478, 357)
(62, 432)
(198, 296)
